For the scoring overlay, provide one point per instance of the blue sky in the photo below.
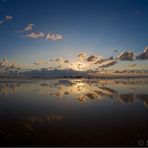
(90, 26)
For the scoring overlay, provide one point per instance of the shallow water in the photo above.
(74, 112)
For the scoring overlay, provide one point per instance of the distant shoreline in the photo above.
(103, 76)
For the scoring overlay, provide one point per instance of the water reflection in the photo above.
(45, 118)
(11, 86)
(6, 87)
(144, 98)
(28, 127)
(124, 91)
(29, 122)
(81, 89)
(44, 111)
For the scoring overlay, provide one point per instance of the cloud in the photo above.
(36, 63)
(101, 60)
(3, 63)
(54, 37)
(60, 62)
(91, 95)
(82, 98)
(28, 27)
(41, 62)
(126, 56)
(132, 65)
(6, 65)
(13, 66)
(35, 35)
(144, 55)
(66, 61)
(59, 59)
(60, 66)
(127, 97)
(91, 58)
(130, 71)
(8, 18)
(51, 60)
(82, 56)
(5, 60)
(108, 63)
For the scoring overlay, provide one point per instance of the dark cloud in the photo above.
(91, 58)
(101, 60)
(108, 63)
(126, 98)
(144, 55)
(60, 59)
(66, 61)
(82, 56)
(126, 56)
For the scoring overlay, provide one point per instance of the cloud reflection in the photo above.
(87, 90)
(7, 87)
(123, 91)
(29, 122)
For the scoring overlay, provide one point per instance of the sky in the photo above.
(39, 30)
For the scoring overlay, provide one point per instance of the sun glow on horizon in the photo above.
(79, 66)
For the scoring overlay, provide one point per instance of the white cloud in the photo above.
(52, 36)
(41, 62)
(6, 65)
(35, 35)
(28, 27)
(59, 62)
(8, 17)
